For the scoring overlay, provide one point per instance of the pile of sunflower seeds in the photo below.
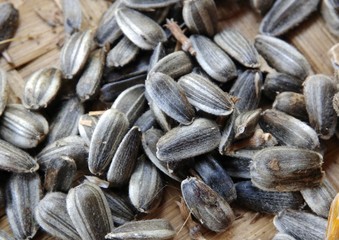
(135, 104)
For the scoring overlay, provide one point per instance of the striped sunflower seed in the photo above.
(228, 133)
(183, 142)
(86, 127)
(106, 138)
(164, 121)
(238, 47)
(4, 90)
(246, 123)
(331, 16)
(74, 53)
(145, 229)
(291, 103)
(205, 95)
(285, 15)
(9, 22)
(72, 16)
(159, 52)
(282, 236)
(140, 29)
(21, 127)
(213, 59)
(206, 205)
(146, 121)
(149, 4)
(51, 214)
(282, 56)
(286, 169)
(84, 200)
(41, 88)
(169, 97)
(122, 53)
(23, 193)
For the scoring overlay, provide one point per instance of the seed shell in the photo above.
(246, 123)
(121, 54)
(330, 14)
(9, 22)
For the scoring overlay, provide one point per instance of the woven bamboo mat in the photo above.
(37, 45)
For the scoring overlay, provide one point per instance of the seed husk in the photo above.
(261, 201)
(300, 225)
(51, 214)
(169, 97)
(206, 205)
(289, 130)
(121, 54)
(89, 82)
(330, 14)
(140, 29)
(318, 92)
(23, 193)
(106, 137)
(205, 95)
(21, 127)
(124, 159)
(41, 88)
(84, 200)
(285, 15)
(145, 186)
(200, 17)
(4, 90)
(286, 169)
(9, 22)
(319, 198)
(145, 229)
(108, 29)
(86, 127)
(246, 123)
(238, 47)
(183, 142)
(282, 56)
(74, 53)
(215, 62)
(228, 133)
(72, 16)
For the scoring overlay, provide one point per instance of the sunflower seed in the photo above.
(182, 142)
(86, 127)
(286, 169)
(331, 16)
(246, 123)
(51, 214)
(238, 47)
(291, 103)
(248, 89)
(237, 164)
(41, 88)
(72, 16)
(159, 52)
(164, 122)
(300, 225)
(318, 92)
(206, 205)
(124, 159)
(212, 173)
(122, 53)
(169, 97)
(131, 102)
(140, 29)
(261, 6)
(23, 194)
(9, 22)
(107, 135)
(319, 198)
(145, 229)
(282, 236)
(200, 17)
(276, 83)
(74, 53)
(174, 65)
(289, 130)
(84, 200)
(228, 133)
(213, 59)
(89, 82)
(68, 115)
(149, 4)
(285, 15)
(205, 95)
(145, 186)
(4, 90)
(145, 121)
(21, 127)
(73, 147)
(108, 29)
(282, 56)
(267, 202)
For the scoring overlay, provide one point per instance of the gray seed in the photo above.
(51, 214)
(246, 123)
(285, 15)
(282, 56)
(331, 16)
(140, 29)
(4, 90)
(213, 59)
(282, 236)
(41, 88)
(286, 169)
(164, 121)
(146, 229)
(335, 103)
(121, 54)
(89, 211)
(9, 22)
(228, 133)
(145, 121)
(72, 16)
(238, 47)
(159, 52)
(183, 142)
(291, 103)
(86, 127)
(149, 4)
